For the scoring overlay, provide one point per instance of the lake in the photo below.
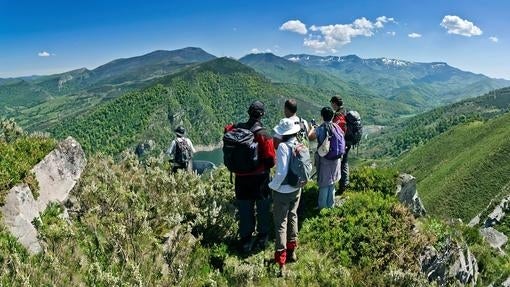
(215, 156)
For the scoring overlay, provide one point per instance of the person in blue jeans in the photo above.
(328, 171)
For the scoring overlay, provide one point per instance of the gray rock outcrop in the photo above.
(56, 174)
(407, 194)
(495, 238)
(498, 213)
(454, 263)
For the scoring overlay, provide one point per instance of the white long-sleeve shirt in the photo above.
(283, 154)
(171, 150)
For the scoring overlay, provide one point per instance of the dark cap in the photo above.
(256, 109)
(180, 131)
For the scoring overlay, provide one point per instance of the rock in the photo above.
(201, 166)
(57, 174)
(474, 221)
(495, 238)
(453, 263)
(506, 283)
(407, 194)
(498, 213)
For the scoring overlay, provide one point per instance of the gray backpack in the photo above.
(300, 165)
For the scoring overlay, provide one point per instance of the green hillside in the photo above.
(461, 171)
(420, 129)
(40, 102)
(203, 98)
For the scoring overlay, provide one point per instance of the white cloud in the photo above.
(391, 33)
(43, 54)
(259, 51)
(459, 26)
(414, 35)
(330, 37)
(494, 39)
(294, 26)
(380, 21)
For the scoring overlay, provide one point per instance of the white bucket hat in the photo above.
(287, 127)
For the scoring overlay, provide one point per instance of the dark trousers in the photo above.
(344, 181)
(253, 203)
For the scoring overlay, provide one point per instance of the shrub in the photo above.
(383, 180)
(370, 232)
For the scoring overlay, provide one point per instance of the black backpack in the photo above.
(182, 152)
(354, 128)
(240, 150)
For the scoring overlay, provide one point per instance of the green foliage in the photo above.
(453, 168)
(419, 130)
(383, 180)
(370, 232)
(203, 99)
(20, 152)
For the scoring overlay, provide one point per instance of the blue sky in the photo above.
(43, 37)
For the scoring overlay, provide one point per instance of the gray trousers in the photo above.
(285, 217)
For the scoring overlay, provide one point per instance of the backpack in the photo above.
(333, 146)
(182, 152)
(300, 165)
(240, 150)
(354, 128)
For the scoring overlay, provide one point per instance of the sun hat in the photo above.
(287, 127)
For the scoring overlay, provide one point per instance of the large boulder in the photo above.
(452, 265)
(56, 174)
(407, 194)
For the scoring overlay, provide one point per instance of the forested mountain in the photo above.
(38, 102)
(419, 129)
(423, 85)
(281, 70)
(203, 98)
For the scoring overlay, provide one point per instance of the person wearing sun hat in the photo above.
(181, 151)
(285, 197)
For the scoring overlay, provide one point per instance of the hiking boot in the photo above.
(291, 255)
(261, 240)
(291, 251)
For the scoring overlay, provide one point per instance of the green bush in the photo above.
(370, 232)
(383, 180)
(20, 152)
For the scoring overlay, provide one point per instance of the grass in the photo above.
(461, 171)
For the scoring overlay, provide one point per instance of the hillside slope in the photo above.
(461, 171)
(39, 102)
(419, 129)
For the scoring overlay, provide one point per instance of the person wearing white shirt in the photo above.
(290, 112)
(285, 197)
(183, 160)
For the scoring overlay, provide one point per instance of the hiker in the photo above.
(328, 162)
(251, 186)
(285, 196)
(340, 119)
(290, 112)
(181, 151)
